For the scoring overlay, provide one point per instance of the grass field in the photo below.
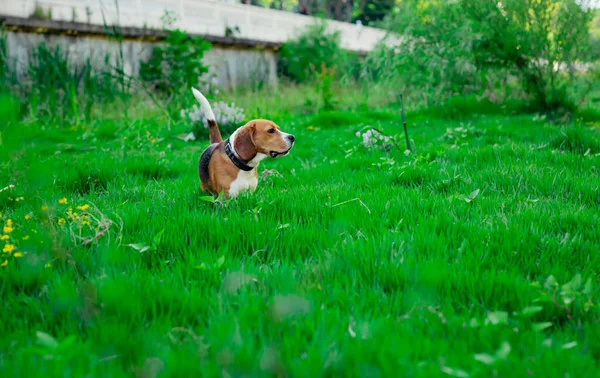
(476, 256)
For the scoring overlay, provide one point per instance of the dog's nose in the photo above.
(291, 138)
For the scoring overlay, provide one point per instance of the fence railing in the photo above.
(207, 17)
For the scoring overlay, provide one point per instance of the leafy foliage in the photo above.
(538, 42)
(304, 58)
(176, 65)
(486, 47)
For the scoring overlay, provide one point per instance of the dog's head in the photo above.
(262, 136)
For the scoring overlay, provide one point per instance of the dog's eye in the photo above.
(271, 131)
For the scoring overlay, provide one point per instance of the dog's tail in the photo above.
(213, 128)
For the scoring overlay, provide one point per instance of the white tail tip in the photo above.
(204, 105)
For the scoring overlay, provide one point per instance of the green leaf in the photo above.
(207, 199)
(68, 342)
(485, 358)
(572, 285)
(588, 288)
(220, 261)
(453, 372)
(503, 351)
(474, 323)
(497, 317)
(570, 345)
(157, 238)
(141, 248)
(537, 327)
(550, 283)
(46, 340)
(471, 196)
(531, 310)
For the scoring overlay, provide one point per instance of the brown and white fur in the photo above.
(250, 143)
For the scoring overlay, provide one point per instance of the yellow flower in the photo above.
(84, 207)
(61, 221)
(62, 201)
(8, 229)
(27, 217)
(5, 263)
(44, 208)
(9, 248)
(18, 255)
(4, 237)
(9, 223)
(85, 223)
(26, 237)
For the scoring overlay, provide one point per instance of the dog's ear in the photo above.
(244, 142)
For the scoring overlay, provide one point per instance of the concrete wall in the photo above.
(233, 61)
(206, 17)
(228, 67)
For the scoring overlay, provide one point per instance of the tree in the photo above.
(539, 41)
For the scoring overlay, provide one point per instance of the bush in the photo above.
(176, 65)
(303, 59)
(483, 46)
(539, 42)
(434, 58)
(67, 90)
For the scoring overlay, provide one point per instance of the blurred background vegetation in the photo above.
(540, 56)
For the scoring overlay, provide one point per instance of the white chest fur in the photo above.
(243, 182)
(246, 180)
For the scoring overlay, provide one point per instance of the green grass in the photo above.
(346, 261)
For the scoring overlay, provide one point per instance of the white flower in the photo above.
(373, 138)
(224, 114)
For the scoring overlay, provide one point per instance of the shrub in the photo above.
(304, 58)
(67, 89)
(539, 42)
(176, 65)
(482, 46)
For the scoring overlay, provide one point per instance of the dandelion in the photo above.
(61, 221)
(9, 248)
(4, 237)
(62, 201)
(45, 208)
(18, 255)
(5, 263)
(8, 229)
(84, 207)
(27, 217)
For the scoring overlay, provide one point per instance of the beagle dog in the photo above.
(231, 165)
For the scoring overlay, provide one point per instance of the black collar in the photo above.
(238, 163)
